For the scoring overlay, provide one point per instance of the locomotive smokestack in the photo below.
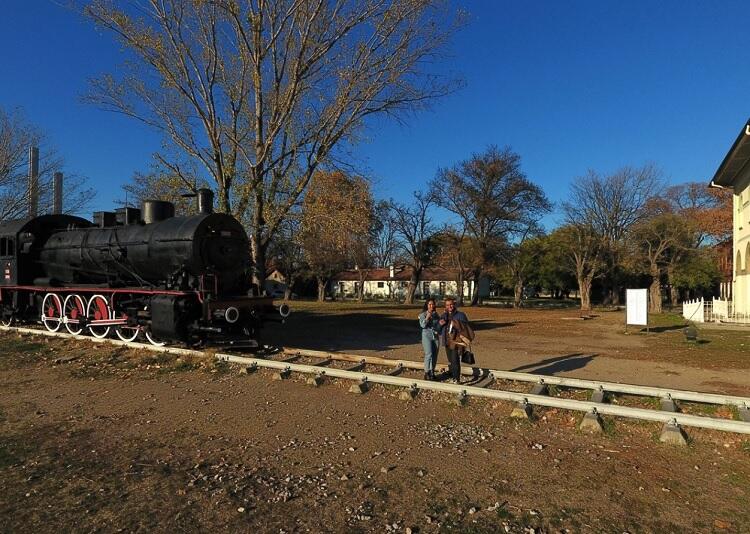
(205, 200)
(33, 181)
(57, 195)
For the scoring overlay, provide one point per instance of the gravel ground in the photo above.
(117, 440)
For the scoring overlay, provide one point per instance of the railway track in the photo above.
(481, 383)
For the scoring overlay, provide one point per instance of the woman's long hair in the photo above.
(424, 308)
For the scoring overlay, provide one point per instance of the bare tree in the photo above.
(16, 137)
(384, 238)
(610, 205)
(457, 253)
(163, 184)
(263, 93)
(494, 199)
(416, 232)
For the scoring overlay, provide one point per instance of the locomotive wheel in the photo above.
(96, 311)
(7, 320)
(154, 341)
(127, 333)
(52, 312)
(74, 308)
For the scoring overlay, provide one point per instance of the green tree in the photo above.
(653, 242)
(520, 263)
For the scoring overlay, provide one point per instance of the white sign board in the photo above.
(636, 301)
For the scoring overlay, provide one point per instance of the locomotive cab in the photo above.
(8, 260)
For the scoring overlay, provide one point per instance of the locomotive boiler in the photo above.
(135, 271)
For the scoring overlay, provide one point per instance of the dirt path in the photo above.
(539, 341)
(119, 440)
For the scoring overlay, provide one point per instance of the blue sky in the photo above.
(568, 85)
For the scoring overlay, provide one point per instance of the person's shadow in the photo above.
(557, 364)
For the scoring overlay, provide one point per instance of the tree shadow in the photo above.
(659, 329)
(485, 324)
(557, 364)
(359, 330)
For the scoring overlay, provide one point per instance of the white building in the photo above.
(391, 283)
(734, 173)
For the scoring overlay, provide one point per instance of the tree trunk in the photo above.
(584, 288)
(517, 292)
(258, 245)
(674, 293)
(362, 276)
(475, 294)
(654, 291)
(321, 288)
(412, 287)
(460, 288)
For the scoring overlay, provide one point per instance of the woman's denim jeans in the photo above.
(430, 347)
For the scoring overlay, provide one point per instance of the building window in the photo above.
(425, 288)
(442, 288)
(381, 285)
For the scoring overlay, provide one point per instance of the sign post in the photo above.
(636, 306)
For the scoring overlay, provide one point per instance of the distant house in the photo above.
(392, 283)
(275, 283)
(734, 174)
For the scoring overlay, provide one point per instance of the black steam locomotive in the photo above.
(134, 271)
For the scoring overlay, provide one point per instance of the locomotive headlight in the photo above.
(231, 314)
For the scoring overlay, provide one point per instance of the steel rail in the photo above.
(726, 425)
(575, 383)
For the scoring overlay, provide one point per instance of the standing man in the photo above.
(448, 331)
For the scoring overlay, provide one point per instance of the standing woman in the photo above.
(428, 321)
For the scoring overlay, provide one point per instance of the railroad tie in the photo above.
(673, 434)
(323, 363)
(396, 370)
(250, 369)
(591, 422)
(360, 387)
(599, 395)
(317, 379)
(540, 388)
(283, 374)
(744, 412)
(522, 410)
(484, 380)
(410, 393)
(668, 404)
(356, 367)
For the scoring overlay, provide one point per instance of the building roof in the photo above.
(402, 273)
(735, 162)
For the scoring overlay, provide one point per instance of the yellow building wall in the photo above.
(741, 242)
